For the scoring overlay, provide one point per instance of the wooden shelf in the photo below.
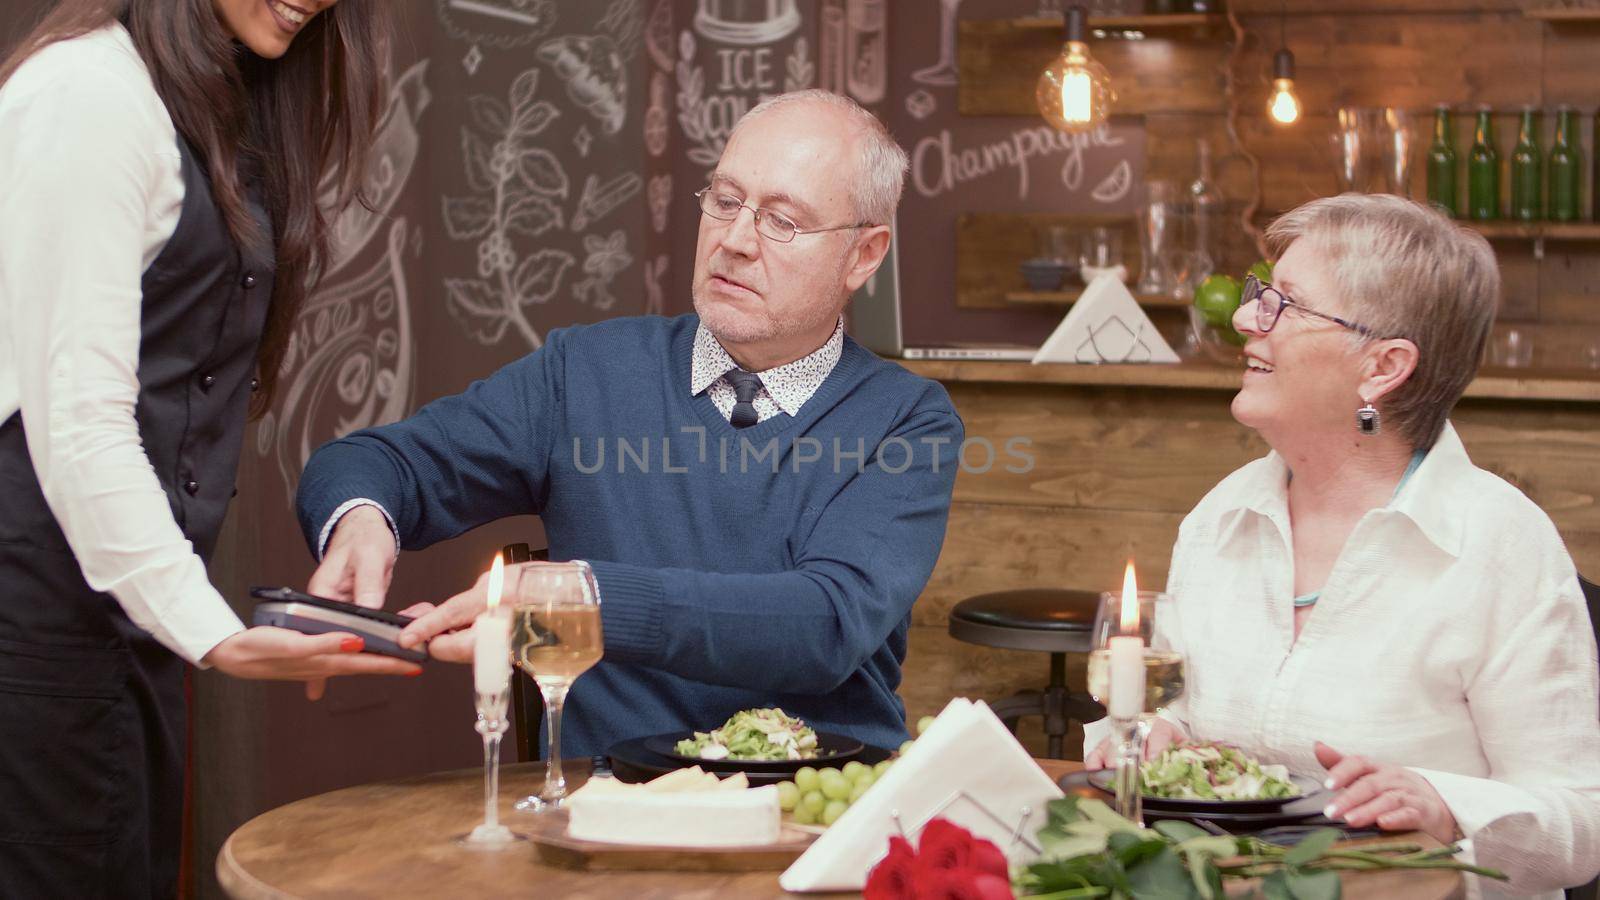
(1528, 231)
(1169, 22)
(1565, 14)
(1579, 385)
(1067, 298)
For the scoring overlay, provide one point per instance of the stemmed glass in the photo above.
(943, 72)
(1162, 683)
(555, 637)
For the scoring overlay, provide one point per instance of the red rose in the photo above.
(944, 845)
(959, 884)
(890, 879)
(949, 864)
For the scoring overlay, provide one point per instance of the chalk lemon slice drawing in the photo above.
(1114, 186)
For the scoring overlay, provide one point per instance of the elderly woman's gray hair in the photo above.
(881, 166)
(1405, 270)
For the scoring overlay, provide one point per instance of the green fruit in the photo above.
(812, 802)
(805, 778)
(853, 769)
(1217, 298)
(834, 785)
(1262, 270)
(833, 811)
(858, 789)
(880, 768)
(923, 723)
(904, 747)
(804, 816)
(788, 795)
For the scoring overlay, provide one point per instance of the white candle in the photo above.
(1127, 656)
(491, 647)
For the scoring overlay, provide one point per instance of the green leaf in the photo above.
(1098, 811)
(1201, 872)
(1207, 845)
(1306, 885)
(1132, 850)
(1276, 886)
(1179, 831)
(1063, 811)
(1311, 846)
(1071, 846)
(1161, 877)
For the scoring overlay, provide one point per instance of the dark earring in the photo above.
(1367, 421)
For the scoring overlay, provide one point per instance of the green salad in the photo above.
(1213, 772)
(755, 734)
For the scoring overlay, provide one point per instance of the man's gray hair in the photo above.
(881, 166)
(1406, 270)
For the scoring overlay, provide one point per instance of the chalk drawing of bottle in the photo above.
(944, 71)
(865, 35)
(831, 68)
(747, 22)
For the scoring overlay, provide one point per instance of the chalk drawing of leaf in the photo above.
(523, 89)
(467, 217)
(490, 114)
(478, 308)
(539, 276)
(533, 119)
(476, 156)
(542, 173)
(686, 45)
(533, 215)
(704, 156)
(800, 69)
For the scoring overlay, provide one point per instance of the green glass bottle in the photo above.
(1442, 162)
(1566, 160)
(1527, 170)
(1483, 171)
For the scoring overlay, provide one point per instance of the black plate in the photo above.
(632, 761)
(832, 750)
(1309, 790)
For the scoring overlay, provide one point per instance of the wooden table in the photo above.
(394, 839)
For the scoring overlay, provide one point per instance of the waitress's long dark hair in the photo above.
(294, 120)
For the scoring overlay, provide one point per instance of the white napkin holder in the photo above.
(1106, 325)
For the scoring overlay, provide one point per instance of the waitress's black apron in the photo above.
(92, 709)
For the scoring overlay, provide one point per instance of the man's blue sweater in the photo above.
(774, 565)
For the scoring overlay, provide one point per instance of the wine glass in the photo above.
(555, 637)
(1163, 681)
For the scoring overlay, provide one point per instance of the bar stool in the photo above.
(1048, 620)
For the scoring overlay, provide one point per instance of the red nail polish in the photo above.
(414, 673)
(352, 644)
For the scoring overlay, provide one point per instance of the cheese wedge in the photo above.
(687, 811)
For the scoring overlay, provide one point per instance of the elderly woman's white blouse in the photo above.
(1451, 637)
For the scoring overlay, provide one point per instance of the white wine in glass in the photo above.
(1163, 678)
(555, 637)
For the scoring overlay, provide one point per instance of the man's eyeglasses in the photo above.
(1271, 302)
(769, 224)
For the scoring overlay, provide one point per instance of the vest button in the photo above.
(192, 487)
(248, 281)
(235, 491)
(255, 385)
(207, 382)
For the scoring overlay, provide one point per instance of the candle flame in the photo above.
(497, 577)
(1130, 602)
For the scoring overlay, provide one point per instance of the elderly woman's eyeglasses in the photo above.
(774, 225)
(1271, 302)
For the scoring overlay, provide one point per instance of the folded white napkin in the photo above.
(1106, 325)
(967, 749)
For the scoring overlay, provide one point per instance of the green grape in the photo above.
(834, 785)
(906, 746)
(788, 795)
(805, 779)
(804, 816)
(923, 723)
(853, 769)
(812, 802)
(833, 811)
(857, 789)
(880, 768)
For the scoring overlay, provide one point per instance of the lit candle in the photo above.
(1127, 656)
(491, 648)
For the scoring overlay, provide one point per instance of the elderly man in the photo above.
(760, 498)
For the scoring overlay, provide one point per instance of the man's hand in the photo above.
(359, 560)
(454, 616)
(1162, 735)
(279, 654)
(1392, 797)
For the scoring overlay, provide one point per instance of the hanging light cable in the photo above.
(1074, 91)
(1283, 106)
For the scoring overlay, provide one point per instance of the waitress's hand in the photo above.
(1163, 734)
(358, 562)
(278, 654)
(1392, 797)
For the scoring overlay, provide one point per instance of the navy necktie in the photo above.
(745, 387)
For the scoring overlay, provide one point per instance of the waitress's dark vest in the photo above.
(92, 711)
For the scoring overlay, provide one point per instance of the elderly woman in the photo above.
(1366, 601)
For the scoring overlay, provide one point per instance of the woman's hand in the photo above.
(1392, 797)
(1163, 734)
(279, 654)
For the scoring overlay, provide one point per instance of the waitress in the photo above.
(159, 227)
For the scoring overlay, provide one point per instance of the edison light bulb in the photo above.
(1283, 106)
(1074, 91)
